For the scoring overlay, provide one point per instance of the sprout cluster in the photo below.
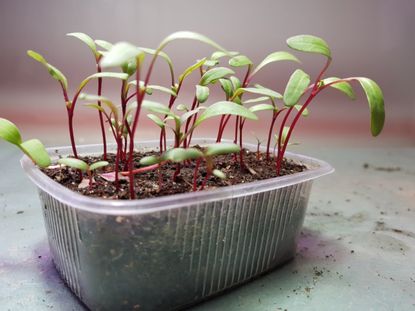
(182, 120)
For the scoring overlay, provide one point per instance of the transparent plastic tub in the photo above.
(171, 252)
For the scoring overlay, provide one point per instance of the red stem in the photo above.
(219, 136)
(239, 119)
(257, 150)
(271, 127)
(71, 132)
(101, 119)
(228, 117)
(314, 92)
(195, 174)
(70, 121)
(279, 156)
(241, 152)
(281, 152)
(129, 97)
(117, 163)
(192, 128)
(136, 117)
(186, 142)
(205, 180)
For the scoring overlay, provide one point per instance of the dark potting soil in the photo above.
(147, 184)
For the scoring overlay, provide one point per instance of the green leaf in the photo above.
(74, 163)
(57, 75)
(275, 57)
(116, 75)
(156, 120)
(102, 99)
(192, 36)
(98, 165)
(219, 174)
(376, 104)
(342, 86)
(95, 106)
(305, 111)
(256, 100)
(217, 54)
(37, 57)
(211, 63)
(156, 107)
(190, 113)
(35, 150)
(9, 132)
(221, 148)
(225, 107)
(181, 107)
(309, 44)
(259, 91)
(162, 89)
(235, 82)
(104, 44)
(202, 93)
(148, 89)
(92, 97)
(119, 54)
(190, 69)
(85, 39)
(226, 87)
(150, 160)
(180, 154)
(130, 67)
(214, 74)
(295, 88)
(53, 71)
(261, 107)
(240, 61)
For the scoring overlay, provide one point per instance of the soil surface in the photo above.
(148, 184)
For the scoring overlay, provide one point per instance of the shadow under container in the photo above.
(171, 252)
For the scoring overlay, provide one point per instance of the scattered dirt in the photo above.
(388, 169)
(381, 226)
(159, 183)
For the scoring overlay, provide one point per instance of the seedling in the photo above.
(83, 166)
(299, 84)
(284, 107)
(70, 104)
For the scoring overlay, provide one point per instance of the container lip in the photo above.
(316, 168)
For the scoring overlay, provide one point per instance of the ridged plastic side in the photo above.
(63, 235)
(173, 258)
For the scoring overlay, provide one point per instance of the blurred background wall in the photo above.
(373, 38)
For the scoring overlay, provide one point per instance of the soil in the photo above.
(147, 184)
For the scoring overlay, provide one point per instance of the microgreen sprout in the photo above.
(284, 105)
(83, 166)
(71, 103)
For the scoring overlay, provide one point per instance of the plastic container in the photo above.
(171, 252)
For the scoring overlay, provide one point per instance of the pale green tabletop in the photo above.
(356, 252)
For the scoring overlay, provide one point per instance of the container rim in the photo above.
(316, 168)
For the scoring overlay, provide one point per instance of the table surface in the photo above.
(356, 250)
